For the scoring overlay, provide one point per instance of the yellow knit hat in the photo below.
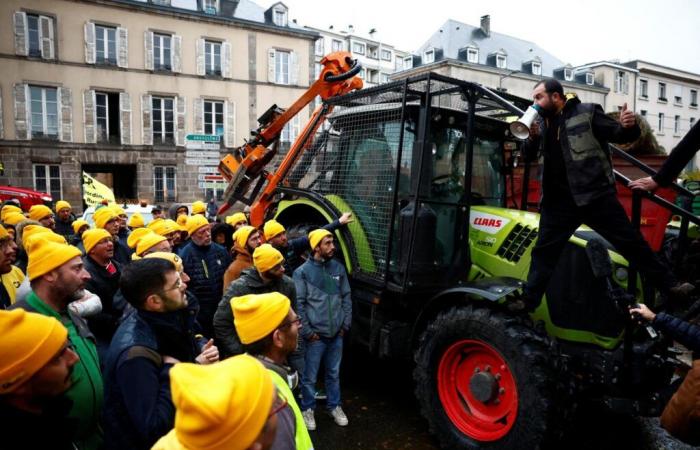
(29, 341)
(103, 215)
(13, 218)
(45, 256)
(118, 210)
(272, 228)
(92, 237)
(136, 221)
(48, 236)
(7, 209)
(199, 207)
(147, 241)
(182, 221)
(241, 235)
(196, 222)
(316, 236)
(136, 235)
(235, 218)
(174, 225)
(62, 204)
(266, 257)
(172, 257)
(38, 212)
(31, 230)
(3, 233)
(257, 315)
(221, 406)
(78, 224)
(164, 226)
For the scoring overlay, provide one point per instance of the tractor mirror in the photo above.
(599, 258)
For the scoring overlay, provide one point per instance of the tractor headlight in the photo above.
(621, 274)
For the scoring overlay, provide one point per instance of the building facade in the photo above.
(114, 88)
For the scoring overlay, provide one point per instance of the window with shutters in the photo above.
(107, 117)
(336, 45)
(44, 112)
(319, 47)
(164, 183)
(212, 58)
(213, 117)
(162, 52)
(282, 67)
(47, 178)
(163, 120)
(105, 45)
(34, 35)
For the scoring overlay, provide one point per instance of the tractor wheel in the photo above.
(486, 380)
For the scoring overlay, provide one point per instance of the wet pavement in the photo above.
(383, 414)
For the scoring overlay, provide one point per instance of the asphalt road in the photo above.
(383, 414)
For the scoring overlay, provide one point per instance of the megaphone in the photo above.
(521, 127)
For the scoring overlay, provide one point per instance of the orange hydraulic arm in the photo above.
(245, 166)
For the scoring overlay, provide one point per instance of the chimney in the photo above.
(486, 25)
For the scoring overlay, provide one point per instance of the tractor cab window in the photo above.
(449, 163)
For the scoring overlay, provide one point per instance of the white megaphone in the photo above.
(521, 127)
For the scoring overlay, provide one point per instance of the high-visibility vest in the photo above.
(302, 438)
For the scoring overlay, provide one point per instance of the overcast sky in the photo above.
(665, 32)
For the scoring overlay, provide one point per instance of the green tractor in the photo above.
(434, 256)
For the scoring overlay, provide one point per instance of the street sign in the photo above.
(201, 154)
(200, 145)
(203, 137)
(207, 169)
(210, 177)
(212, 185)
(201, 162)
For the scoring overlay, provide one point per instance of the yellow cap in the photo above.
(13, 218)
(29, 341)
(241, 235)
(221, 406)
(172, 257)
(272, 228)
(3, 233)
(316, 236)
(118, 210)
(147, 241)
(235, 218)
(182, 221)
(136, 221)
(103, 215)
(7, 209)
(78, 224)
(266, 257)
(135, 235)
(38, 212)
(199, 207)
(196, 222)
(45, 256)
(92, 237)
(257, 315)
(62, 204)
(31, 230)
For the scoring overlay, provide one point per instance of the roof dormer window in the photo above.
(501, 61)
(472, 55)
(279, 16)
(210, 6)
(536, 68)
(590, 79)
(429, 56)
(568, 74)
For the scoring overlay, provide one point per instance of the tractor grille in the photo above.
(518, 240)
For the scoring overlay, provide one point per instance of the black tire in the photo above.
(530, 358)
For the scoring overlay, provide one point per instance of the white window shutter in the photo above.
(199, 56)
(21, 38)
(46, 37)
(148, 51)
(89, 119)
(90, 43)
(146, 120)
(122, 47)
(180, 109)
(125, 118)
(229, 124)
(293, 68)
(176, 54)
(65, 114)
(23, 124)
(199, 115)
(271, 65)
(226, 60)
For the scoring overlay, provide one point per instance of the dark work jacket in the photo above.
(138, 405)
(64, 228)
(679, 330)
(679, 157)
(49, 430)
(584, 134)
(122, 252)
(248, 283)
(104, 324)
(298, 246)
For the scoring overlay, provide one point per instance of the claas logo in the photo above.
(485, 221)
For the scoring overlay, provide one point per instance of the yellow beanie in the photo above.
(118, 210)
(38, 212)
(7, 209)
(175, 226)
(172, 257)
(196, 222)
(78, 224)
(136, 221)
(316, 236)
(164, 226)
(62, 204)
(241, 235)
(199, 207)
(48, 236)
(235, 218)
(104, 215)
(182, 221)
(221, 406)
(45, 256)
(31, 230)
(92, 237)
(13, 218)
(29, 341)
(136, 235)
(147, 241)
(257, 315)
(266, 257)
(3, 233)
(272, 228)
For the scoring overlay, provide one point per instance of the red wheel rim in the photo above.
(479, 418)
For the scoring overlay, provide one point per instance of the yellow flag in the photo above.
(94, 191)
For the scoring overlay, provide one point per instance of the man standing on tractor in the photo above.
(578, 187)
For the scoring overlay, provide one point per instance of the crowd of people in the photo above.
(178, 333)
